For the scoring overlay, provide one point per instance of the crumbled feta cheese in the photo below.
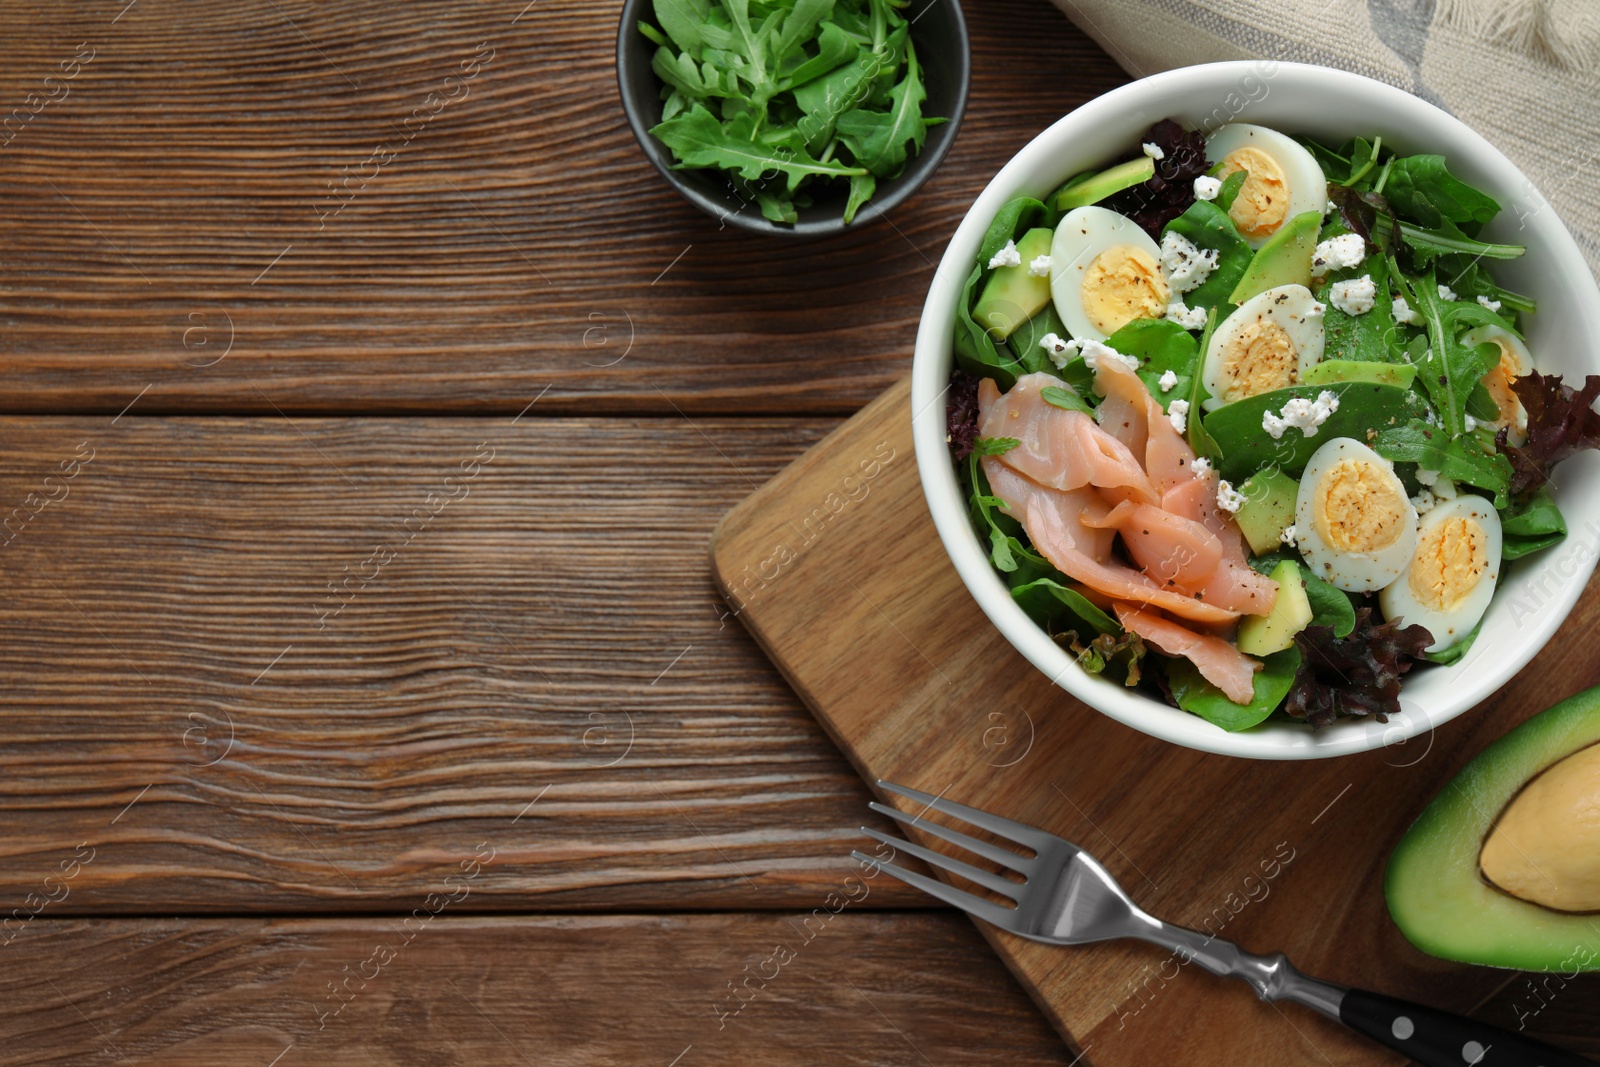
(1424, 501)
(1444, 489)
(1040, 267)
(1207, 187)
(1426, 476)
(1202, 466)
(1187, 317)
(1229, 499)
(1355, 296)
(1095, 351)
(1169, 380)
(1336, 253)
(1302, 414)
(1403, 312)
(1447, 293)
(1178, 415)
(1153, 151)
(1059, 349)
(1432, 418)
(1006, 257)
(1185, 265)
(1492, 305)
(1290, 536)
(1470, 423)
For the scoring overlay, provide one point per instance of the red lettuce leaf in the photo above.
(1561, 423)
(1354, 675)
(1154, 203)
(961, 414)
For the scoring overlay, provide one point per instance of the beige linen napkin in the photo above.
(1524, 73)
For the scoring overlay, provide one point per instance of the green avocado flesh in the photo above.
(1436, 893)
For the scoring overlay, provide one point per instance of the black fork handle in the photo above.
(1439, 1039)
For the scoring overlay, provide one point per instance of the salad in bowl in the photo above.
(1247, 421)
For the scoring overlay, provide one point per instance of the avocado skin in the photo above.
(1435, 893)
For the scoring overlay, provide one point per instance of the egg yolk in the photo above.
(1263, 201)
(1260, 357)
(1122, 284)
(1545, 847)
(1359, 507)
(1498, 383)
(1451, 556)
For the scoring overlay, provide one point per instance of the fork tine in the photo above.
(1023, 834)
(992, 853)
(989, 912)
(994, 882)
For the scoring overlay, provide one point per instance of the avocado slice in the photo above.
(1437, 891)
(1262, 635)
(1284, 260)
(1269, 503)
(1359, 370)
(1089, 189)
(1012, 295)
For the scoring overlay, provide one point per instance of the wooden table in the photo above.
(366, 698)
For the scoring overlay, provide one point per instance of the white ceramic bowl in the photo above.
(1535, 593)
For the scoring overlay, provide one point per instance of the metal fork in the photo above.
(1067, 898)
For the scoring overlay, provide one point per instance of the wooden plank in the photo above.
(170, 206)
(860, 988)
(869, 622)
(543, 663)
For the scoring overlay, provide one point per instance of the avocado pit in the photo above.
(1545, 847)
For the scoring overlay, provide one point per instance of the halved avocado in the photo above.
(1437, 891)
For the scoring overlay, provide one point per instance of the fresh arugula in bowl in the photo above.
(788, 97)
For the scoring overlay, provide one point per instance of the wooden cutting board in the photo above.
(835, 567)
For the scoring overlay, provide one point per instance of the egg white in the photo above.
(1307, 186)
(1400, 603)
(1352, 571)
(1080, 238)
(1293, 308)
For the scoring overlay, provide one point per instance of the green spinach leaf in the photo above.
(1199, 697)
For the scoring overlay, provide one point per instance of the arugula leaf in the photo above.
(1422, 188)
(835, 48)
(1199, 697)
(976, 352)
(879, 139)
(1017, 562)
(994, 446)
(862, 186)
(1160, 345)
(1229, 191)
(817, 92)
(1198, 436)
(1451, 369)
(1461, 459)
(1064, 399)
(1362, 159)
(1426, 245)
(699, 140)
(682, 19)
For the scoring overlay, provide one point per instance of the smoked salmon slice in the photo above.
(1056, 447)
(1069, 529)
(1218, 661)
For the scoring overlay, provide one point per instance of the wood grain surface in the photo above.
(537, 659)
(864, 989)
(859, 606)
(205, 184)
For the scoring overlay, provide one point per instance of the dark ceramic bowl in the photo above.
(937, 29)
